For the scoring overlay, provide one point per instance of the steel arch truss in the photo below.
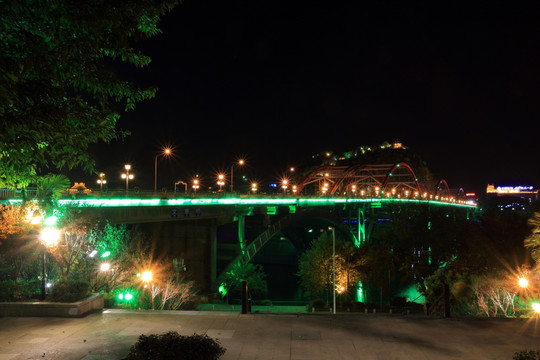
(360, 180)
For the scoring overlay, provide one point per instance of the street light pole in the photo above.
(166, 151)
(334, 268)
(101, 181)
(240, 162)
(127, 176)
(49, 237)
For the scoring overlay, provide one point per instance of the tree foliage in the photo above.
(254, 276)
(58, 89)
(532, 242)
(315, 266)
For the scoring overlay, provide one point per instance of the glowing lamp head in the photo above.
(536, 307)
(105, 267)
(127, 167)
(523, 282)
(35, 220)
(146, 276)
(50, 236)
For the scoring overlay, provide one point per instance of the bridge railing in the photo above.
(31, 193)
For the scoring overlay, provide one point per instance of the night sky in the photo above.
(276, 82)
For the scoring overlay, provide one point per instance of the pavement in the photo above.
(274, 334)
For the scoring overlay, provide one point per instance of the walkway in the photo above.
(110, 334)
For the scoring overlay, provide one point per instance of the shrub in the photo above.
(23, 290)
(527, 355)
(172, 345)
(317, 304)
(69, 291)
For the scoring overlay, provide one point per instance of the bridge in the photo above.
(215, 232)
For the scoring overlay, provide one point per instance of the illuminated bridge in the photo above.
(213, 233)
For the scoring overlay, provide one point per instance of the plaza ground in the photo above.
(282, 333)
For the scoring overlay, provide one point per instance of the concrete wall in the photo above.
(44, 309)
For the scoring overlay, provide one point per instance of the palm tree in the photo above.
(532, 242)
(49, 189)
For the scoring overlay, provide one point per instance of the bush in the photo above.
(317, 304)
(527, 355)
(24, 290)
(69, 291)
(172, 345)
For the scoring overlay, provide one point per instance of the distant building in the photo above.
(511, 198)
(79, 188)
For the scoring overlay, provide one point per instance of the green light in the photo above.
(106, 254)
(121, 296)
(128, 297)
(290, 201)
(360, 292)
(222, 290)
(412, 295)
(292, 209)
(50, 221)
(271, 210)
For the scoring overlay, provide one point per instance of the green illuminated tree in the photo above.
(253, 274)
(58, 88)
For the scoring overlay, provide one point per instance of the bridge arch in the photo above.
(391, 175)
(442, 188)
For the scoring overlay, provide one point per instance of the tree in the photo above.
(532, 242)
(254, 276)
(316, 266)
(58, 89)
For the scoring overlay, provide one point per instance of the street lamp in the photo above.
(195, 185)
(240, 163)
(221, 181)
(523, 282)
(101, 181)
(146, 277)
(284, 185)
(333, 269)
(254, 187)
(127, 176)
(166, 152)
(49, 238)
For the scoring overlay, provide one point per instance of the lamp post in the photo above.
(166, 152)
(240, 163)
(101, 181)
(333, 269)
(49, 237)
(284, 185)
(127, 176)
(221, 181)
(195, 185)
(146, 277)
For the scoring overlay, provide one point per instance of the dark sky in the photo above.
(279, 81)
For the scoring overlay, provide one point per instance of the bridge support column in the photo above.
(242, 232)
(213, 256)
(361, 227)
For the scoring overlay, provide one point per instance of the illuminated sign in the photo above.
(509, 189)
(513, 189)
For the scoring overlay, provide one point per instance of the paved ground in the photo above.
(110, 334)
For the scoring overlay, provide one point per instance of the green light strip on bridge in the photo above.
(238, 201)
